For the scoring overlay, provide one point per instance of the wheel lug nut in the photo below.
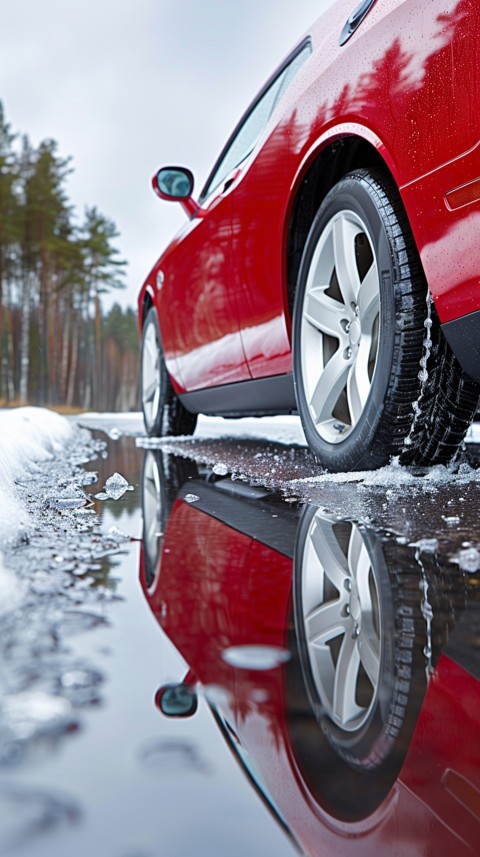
(348, 353)
(347, 584)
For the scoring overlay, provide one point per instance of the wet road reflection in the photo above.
(340, 661)
(244, 672)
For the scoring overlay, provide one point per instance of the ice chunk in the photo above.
(30, 714)
(451, 520)
(66, 503)
(426, 545)
(469, 560)
(81, 685)
(115, 488)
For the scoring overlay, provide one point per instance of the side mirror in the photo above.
(175, 184)
(176, 700)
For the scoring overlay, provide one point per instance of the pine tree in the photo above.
(104, 271)
(8, 237)
(52, 276)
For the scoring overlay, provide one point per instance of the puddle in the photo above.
(322, 660)
(26, 813)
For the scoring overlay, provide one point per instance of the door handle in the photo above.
(355, 19)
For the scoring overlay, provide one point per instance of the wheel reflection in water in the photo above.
(153, 514)
(360, 639)
(342, 618)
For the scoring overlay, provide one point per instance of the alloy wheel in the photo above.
(342, 621)
(153, 512)
(151, 374)
(340, 326)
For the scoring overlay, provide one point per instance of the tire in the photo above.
(447, 406)
(163, 476)
(365, 338)
(406, 609)
(163, 413)
(356, 672)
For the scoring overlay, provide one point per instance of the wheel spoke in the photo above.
(329, 386)
(355, 547)
(370, 657)
(150, 391)
(152, 348)
(323, 312)
(344, 233)
(326, 622)
(151, 373)
(358, 383)
(363, 571)
(156, 400)
(369, 295)
(345, 707)
(330, 554)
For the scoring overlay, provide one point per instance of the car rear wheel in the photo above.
(373, 373)
(163, 412)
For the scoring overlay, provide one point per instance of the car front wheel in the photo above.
(163, 413)
(367, 345)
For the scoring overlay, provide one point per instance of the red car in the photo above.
(365, 741)
(331, 264)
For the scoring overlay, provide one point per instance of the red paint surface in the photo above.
(220, 588)
(408, 83)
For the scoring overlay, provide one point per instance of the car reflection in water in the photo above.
(341, 666)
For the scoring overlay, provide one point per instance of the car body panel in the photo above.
(196, 299)
(408, 83)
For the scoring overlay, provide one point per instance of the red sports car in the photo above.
(364, 740)
(331, 264)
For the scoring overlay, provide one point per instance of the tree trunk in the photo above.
(72, 375)
(25, 338)
(65, 351)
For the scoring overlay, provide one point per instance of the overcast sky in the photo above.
(126, 87)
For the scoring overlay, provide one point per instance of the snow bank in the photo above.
(27, 436)
(282, 429)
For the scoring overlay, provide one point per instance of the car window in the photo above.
(246, 137)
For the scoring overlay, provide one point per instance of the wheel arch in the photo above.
(321, 171)
(146, 304)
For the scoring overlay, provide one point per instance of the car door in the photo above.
(249, 295)
(199, 324)
(258, 216)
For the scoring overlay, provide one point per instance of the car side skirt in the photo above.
(257, 398)
(463, 337)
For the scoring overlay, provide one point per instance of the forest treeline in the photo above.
(57, 346)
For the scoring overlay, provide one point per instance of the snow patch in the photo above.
(396, 475)
(11, 590)
(27, 436)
